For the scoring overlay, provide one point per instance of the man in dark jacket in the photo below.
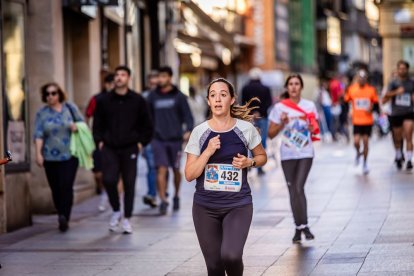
(171, 113)
(122, 125)
(253, 89)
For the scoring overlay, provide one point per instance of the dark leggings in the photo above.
(222, 234)
(296, 172)
(61, 176)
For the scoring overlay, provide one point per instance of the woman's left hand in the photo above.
(311, 128)
(240, 161)
(73, 127)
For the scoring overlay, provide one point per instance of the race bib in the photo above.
(363, 104)
(403, 100)
(295, 138)
(222, 178)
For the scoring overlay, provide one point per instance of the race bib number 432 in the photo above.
(222, 177)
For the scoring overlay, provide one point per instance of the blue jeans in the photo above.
(328, 117)
(152, 172)
(262, 124)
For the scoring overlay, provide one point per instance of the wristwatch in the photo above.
(253, 163)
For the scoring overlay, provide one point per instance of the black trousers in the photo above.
(61, 177)
(222, 234)
(296, 172)
(116, 163)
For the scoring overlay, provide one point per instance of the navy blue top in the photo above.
(170, 112)
(239, 139)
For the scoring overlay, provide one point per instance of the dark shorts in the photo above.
(363, 130)
(97, 161)
(167, 153)
(398, 120)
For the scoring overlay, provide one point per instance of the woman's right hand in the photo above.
(213, 145)
(39, 160)
(284, 118)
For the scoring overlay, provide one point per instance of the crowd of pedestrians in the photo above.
(223, 141)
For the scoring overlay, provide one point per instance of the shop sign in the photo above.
(282, 31)
(407, 30)
(90, 2)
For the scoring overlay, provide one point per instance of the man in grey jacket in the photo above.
(173, 124)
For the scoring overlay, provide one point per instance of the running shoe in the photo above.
(297, 237)
(365, 169)
(176, 203)
(398, 163)
(149, 200)
(409, 166)
(126, 226)
(163, 207)
(102, 202)
(113, 223)
(308, 234)
(63, 223)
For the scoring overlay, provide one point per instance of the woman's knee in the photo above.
(232, 258)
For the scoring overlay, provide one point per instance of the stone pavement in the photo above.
(364, 225)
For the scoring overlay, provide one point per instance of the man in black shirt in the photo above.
(122, 125)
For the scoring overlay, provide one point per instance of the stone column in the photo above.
(45, 56)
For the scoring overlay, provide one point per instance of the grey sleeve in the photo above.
(186, 113)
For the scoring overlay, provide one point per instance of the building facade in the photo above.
(396, 27)
(73, 43)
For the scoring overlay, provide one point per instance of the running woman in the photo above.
(217, 159)
(400, 93)
(295, 117)
(364, 100)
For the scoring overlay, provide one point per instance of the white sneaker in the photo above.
(113, 223)
(102, 203)
(365, 169)
(126, 226)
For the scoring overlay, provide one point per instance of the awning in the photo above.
(217, 31)
(206, 46)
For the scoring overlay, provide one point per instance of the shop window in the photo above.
(14, 86)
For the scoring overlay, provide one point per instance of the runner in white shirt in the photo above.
(288, 117)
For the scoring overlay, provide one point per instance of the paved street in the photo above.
(364, 225)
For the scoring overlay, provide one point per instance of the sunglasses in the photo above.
(53, 93)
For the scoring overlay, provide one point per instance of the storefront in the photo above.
(14, 88)
(15, 134)
(396, 28)
(211, 42)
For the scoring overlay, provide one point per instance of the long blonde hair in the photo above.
(242, 112)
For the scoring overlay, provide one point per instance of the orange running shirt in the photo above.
(362, 99)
